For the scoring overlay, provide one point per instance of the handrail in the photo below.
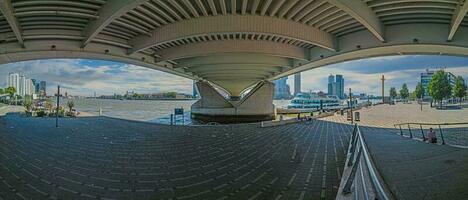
(433, 124)
(436, 125)
(370, 185)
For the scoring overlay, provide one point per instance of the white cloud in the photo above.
(367, 82)
(83, 77)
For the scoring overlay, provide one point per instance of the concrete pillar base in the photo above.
(254, 107)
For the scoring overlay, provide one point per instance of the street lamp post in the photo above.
(383, 88)
(58, 104)
(351, 105)
(421, 100)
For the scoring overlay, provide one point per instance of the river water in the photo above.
(157, 111)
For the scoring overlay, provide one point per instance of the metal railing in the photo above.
(360, 179)
(455, 134)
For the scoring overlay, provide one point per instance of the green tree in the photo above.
(2, 91)
(459, 90)
(404, 93)
(418, 91)
(393, 93)
(11, 92)
(439, 86)
(70, 105)
(48, 105)
(171, 94)
(28, 103)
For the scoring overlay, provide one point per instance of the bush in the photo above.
(41, 113)
(61, 112)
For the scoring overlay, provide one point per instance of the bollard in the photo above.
(172, 119)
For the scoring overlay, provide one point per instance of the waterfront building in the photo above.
(426, 78)
(297, 83)
(282, 90)
(36, 85)
(22, 86)
(29, 87)
(336, 86)
(42, 88)
(331, 80)
(13, 81)
(339, 86)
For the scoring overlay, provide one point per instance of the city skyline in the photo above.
(84, 77)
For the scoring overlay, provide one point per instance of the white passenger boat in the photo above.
(313, 101)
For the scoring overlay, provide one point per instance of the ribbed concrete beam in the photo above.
(234, 46)
(457, 18)
(234, 24)
(7, 10)
(108, 13)
(363, 14)
(235, 59)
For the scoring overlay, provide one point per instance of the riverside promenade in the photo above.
(385, 116)
(103, 158)
(413, 169)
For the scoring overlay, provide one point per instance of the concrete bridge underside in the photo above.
(234, 44)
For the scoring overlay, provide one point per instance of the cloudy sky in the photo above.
(84, 77)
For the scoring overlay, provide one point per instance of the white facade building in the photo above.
(13, 81)
(29, 89)
(23, 85)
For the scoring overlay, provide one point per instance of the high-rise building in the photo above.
(27, 87)
(297, 83)
(282, 90)
(42, 88)
(336, 86)
(339, 86)
(36, 86)
(22, 85)
(13, 81)
(331, 80)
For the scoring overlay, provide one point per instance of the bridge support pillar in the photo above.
(255, 106)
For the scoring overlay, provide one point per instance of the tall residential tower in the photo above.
(336, 86)
(297, 83)
(281, 89)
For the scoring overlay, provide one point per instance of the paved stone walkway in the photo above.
(415, 170)
(388, 115)
(101, 158)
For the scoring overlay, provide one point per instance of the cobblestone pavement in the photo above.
(102, 158)
(414, 170)
(386, 116)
